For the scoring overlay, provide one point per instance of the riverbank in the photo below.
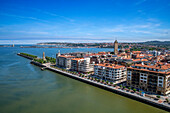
(106, 87)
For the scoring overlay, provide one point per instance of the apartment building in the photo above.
(110, 71)
(64, 61)
(151, 78)
(82, 65)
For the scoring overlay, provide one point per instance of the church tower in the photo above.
(115, 47)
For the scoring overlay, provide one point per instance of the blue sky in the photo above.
(32, 21)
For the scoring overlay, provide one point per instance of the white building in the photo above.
(64, 61)
(82, 65)
(110, 71)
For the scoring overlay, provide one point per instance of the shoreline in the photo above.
(130, 95)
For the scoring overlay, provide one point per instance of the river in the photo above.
(24, 88)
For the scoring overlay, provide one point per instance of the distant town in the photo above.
(150, 45)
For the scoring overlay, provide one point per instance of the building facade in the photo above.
(82, 65)
(150, 78)
(64, 61)
(110, 71)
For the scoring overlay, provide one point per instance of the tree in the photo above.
(158, 96)
(120, 85)
(107, 82)
(167, 100)
(140, 92)
(129, 88)
(134, 90)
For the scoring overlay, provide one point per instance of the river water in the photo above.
(24, 88)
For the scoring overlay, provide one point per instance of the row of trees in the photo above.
(103, 81)
(50, 59)
(40, 60)
(29, 55)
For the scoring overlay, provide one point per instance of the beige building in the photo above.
(82, 65)
(110, 71)
(151, 78)
(64, 61)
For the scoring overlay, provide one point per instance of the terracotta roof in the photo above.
(149, 55)
(136, 52)
(163, 67)
(113, 66)
(149, 70)
(101, 52)
(65, 56)
(136, 59)
(77, 58)
(144, 60)
(93, 54)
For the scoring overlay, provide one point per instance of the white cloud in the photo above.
(53, 14)
(139, 31)
(24, 17)
(32, 32)
(114, 30)
(140, 2)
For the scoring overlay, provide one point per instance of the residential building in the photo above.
(82, 65)
(110, 71)
(151, 78)
(64, 61)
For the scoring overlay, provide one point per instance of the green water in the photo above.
(24, 88)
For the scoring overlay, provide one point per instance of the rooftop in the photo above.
(113, 66)
(77, 58)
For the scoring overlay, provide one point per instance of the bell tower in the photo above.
(115, 47)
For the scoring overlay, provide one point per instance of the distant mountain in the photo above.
(156, 43)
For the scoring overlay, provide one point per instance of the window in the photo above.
(160, 77)
(160, 85)
(160, 81)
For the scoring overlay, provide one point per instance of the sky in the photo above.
(33, 21)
